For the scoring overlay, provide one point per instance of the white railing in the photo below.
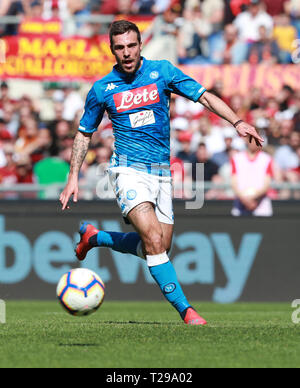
(19, 191)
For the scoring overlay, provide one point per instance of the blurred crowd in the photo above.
(187, 31)
(37, 151)
(33, 150)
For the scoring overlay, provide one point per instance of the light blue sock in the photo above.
(120, 242)
(165, 276)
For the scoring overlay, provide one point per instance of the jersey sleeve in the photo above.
(93, 113)
(183, 85)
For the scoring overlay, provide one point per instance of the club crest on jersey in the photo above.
(136, 98)
(154, 75)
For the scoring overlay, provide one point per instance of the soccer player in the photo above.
(136, 95)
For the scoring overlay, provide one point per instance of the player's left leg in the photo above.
(120, 242)
(152, 233)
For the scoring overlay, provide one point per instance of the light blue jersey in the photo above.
(138, 106)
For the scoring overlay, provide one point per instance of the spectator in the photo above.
(144, 7)
(5, 139)
(284, 99)
(28, 139)
(36, 9)
(286, 155)
(285, 35)
(292, 8)
(63, 137)
(10, 118)
(187, 109)
(51, 171)
(223, 157)
(124, 7)
(5, 98)
(238, 6)
(293, 176)
(164, 37)
(151, 7)
(192, 37)
(24, 170)
(77, 7)
(105, 7)
(96, 177)
(210, 168)
(252, 173)
(214, 12)
(275, 7)
(72, 102)
(248, 22)
(228, 49)
(12, 8)
(178, 125)
(8, 173)
(185, 154)
(265, 50)
(209, 134)
(4, 6)
(297, 113)
(238, 105)
(54, 9)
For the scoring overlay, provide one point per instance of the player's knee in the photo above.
(153, 243)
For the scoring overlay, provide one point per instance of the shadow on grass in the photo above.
(79, 345)
(125, 323)
(140, 323)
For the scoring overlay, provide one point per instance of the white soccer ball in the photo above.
(80, 291)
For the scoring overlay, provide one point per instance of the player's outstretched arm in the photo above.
(217, 106)
(80, 149)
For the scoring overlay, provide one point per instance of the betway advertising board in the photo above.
(217, 257)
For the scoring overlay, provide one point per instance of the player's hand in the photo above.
(70, 189)
(246, 130)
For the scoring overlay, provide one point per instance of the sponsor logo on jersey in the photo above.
(111, 87)
(141, 119)
(136, 98)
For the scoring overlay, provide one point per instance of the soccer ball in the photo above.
(80, 292)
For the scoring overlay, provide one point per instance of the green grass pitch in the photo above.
(149, 335)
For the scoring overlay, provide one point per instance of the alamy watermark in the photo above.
(2, 312)
(187, 180)
(296, 313)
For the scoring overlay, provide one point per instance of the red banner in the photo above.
(46, 58)
(240, 79)
(80, 59)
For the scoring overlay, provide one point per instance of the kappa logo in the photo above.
(111, 87)
(136, 98)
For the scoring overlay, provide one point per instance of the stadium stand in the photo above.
(39, 120)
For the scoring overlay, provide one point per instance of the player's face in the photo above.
(127, 50)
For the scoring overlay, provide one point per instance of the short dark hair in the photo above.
(121, 27)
